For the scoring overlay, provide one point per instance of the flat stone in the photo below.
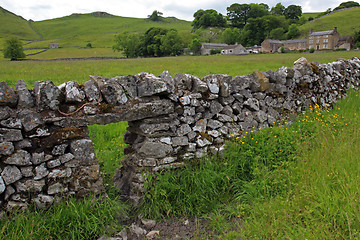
(56, 188)
(83, 150)
(113, 92)
(214, 124)
(184, 81)
(5, 112)
(252, 104)
(92, 91)
(27, 171)
(6, 148)
(30, 119)
(8, 192)
(66, 158)
(185, 100)
(11, 123)
(38, 158)
(180, 141)
(10, 135)
(200, 125)
(43, 201)
(202, 142)
(168, 79)
(30, 185)
(57, 173)
(148, 85)
(239, 83)
(184, 129)
(53, 163)
(59, 149)
(155, 150)
(19, 158)
(215, 107)
(166, 140)
(11, 174)
(212, 83)
(214, 133)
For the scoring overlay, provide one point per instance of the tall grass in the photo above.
(293, 181)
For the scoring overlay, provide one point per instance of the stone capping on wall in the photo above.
(45, 147)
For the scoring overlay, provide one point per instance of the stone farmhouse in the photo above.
(53, 45)
(318, 40)
(224, 48)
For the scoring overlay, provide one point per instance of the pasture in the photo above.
(306, 189)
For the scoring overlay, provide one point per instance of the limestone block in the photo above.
(73, 92)
(6, 148)
(47, 96)
(7, 95)
(149, 85)
(19, 158)
(92, 91)
(154, 150)
(11, 174)
(10, 135)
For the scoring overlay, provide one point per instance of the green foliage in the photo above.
(72, 219)
(13, 49)
(208, 18)
(293, 12)
(277, 33)
(231, 35)
(348, 4)
(129, 43)
(279, 9)
(155, 16)
(172, 44)
(357, 38)
(282, 49)
(239, 14)
(293, 31)
(195, 46)
(89, 45)
(215, 51)
(311, 50)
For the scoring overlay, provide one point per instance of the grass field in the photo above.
(340, 20)
(62, 71)
(297, 181)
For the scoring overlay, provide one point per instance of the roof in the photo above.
(286, 41)
(322, 33)
(233, 46)
(214, 45)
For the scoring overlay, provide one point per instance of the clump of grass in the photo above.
(88, 218)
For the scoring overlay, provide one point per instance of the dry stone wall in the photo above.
(46, 151)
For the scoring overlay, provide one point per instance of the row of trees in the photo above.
(155, 42)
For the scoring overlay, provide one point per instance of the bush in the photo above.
(13, 49)
(89, 45)
(311, 50)
(215, 51)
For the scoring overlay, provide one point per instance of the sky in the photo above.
(38, 10)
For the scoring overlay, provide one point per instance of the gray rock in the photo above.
(66, 158)
(155, 150)
(8, 192)
(59, 149)
(40, 172)
(11, 174)
(147, 162)
(11, 123)
(239, 83)
(57, 173)
(200, 126)
(185, 100)
(214, 124)
(215, 107)
(184, 129)
(262, 82)
(27, 171)
(148, 224)
(261, 116)
(227, 110)
(5, 112)
(180, 141)
(212, 83)
(201, 152)
(53, 163)
(200, 86)
(12, 206)
(7, 95)
(92, 91)
(2, 185)
(149, 85)
(47, 96)
(30, 119)
(43, 201)
(202, 142)
(168, 79)
(6, 148)
(224, 85)
(90, 110)
(56, 188)
(189, 111)
(224, 118)
(73, 93)
(166, 140)
(25, 98)
(10, 135)
(252, 104)
(214, 133)
(19, 158)
(38, 158)
(30, 186)
(184, 81)
(83, 151)
(137, 231)
(113, 92)
(129, 83)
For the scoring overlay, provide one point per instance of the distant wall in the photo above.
(46, 152)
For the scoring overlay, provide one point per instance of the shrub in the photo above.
(13, 49)
(311, 50)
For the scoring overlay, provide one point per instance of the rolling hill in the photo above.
(15, 26)
(346, 21)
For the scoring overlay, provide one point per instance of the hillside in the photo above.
(347, 22)
(15, 26)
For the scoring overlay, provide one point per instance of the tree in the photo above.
(238, 14)
(171, 43)
(152, 42)
(293, 31)
(357, 39)
(13, 49)
(195, 46)
(293, 12)
(347, 5)
(208, 18)
(258, 10)
(129, 43)
(231, 36)
(155, 16)
(279, 9)
(277, 33)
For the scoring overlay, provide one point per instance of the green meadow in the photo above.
(62, 71)
(291, 181)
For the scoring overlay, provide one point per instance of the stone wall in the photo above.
(46, 152)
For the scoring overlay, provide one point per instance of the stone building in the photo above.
(53, 45)
(318, 40)
(323, 40)
(206, 47)
(234, 49)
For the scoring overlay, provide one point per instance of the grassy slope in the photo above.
(347, 22)
(77, 29)
(15, 26)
